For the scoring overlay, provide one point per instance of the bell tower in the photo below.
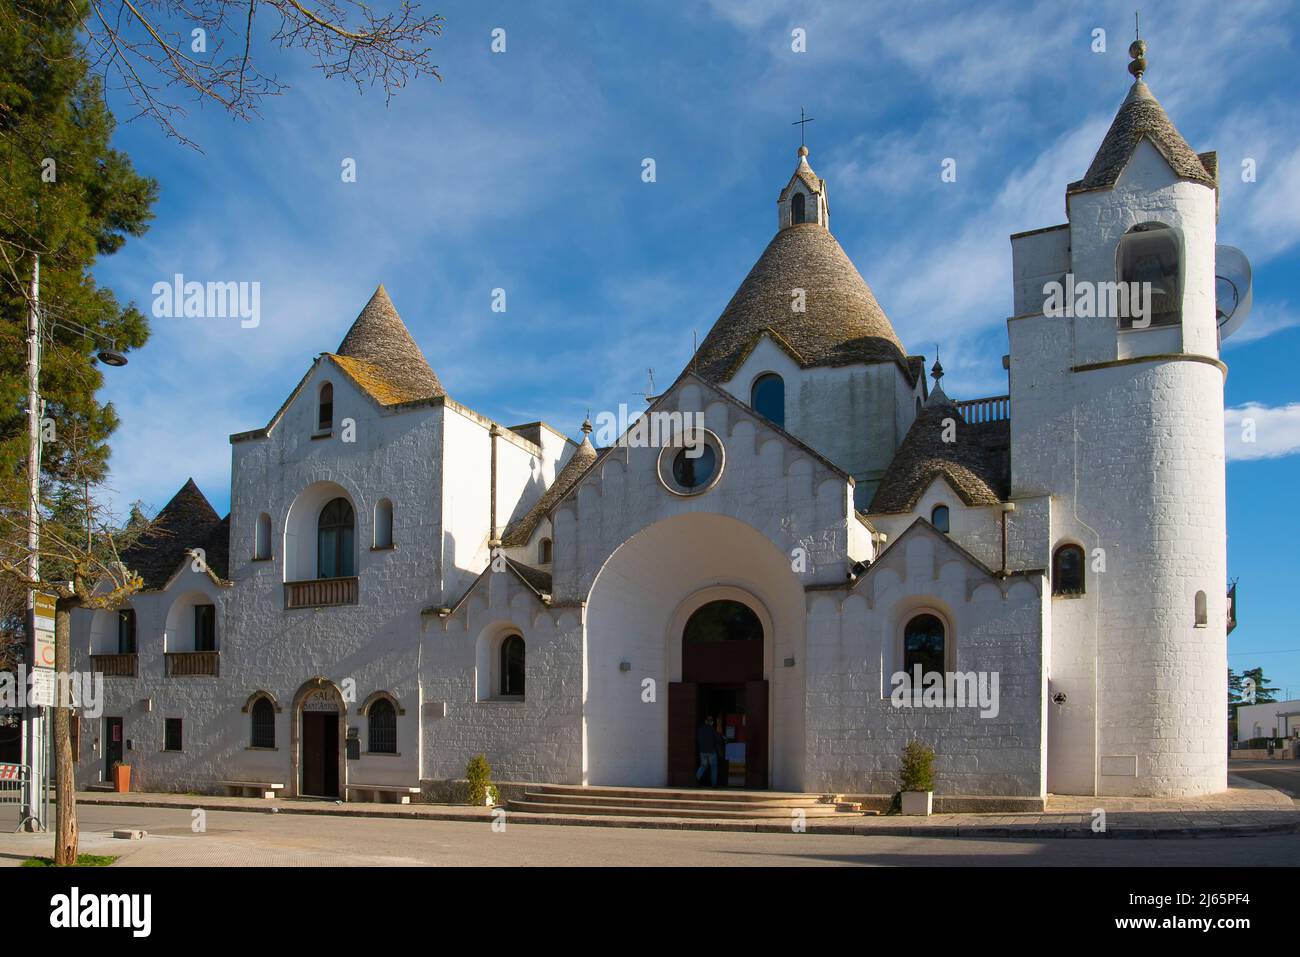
(804, 198)
(1117, 416)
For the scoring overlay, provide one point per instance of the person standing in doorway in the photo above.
(706, 743)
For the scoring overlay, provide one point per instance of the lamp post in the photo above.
(34, 738)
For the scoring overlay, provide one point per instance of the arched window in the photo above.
(1202, 614)
(512, 667)
(544, 552)
(798, 211)
(383, 727)
(334, 536)
(262, 538)
(384, 524)
(325, 408)
(939, 518)
(1067, 570)
(767, 397)
(924, 644)
(263, 722)
(1149, 253)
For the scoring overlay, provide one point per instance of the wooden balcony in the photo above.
(320, 593)
(113, 666)
(181, 664)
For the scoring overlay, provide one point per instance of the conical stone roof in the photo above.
(842, 323)
(187, 521)
(924, 455)
(380, 339)
(519, 532)
(1141, 116)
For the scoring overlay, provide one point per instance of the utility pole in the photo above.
(34, 728)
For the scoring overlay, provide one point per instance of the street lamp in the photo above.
(110, 358)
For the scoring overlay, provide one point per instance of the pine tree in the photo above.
(68, 196)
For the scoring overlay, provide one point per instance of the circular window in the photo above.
(694, 467)
(691, 464)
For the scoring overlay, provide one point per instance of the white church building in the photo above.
(403, 583)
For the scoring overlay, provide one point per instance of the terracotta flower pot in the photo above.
(122, 778)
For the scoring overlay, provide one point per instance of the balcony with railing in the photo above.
(321, 592)
(994, 408)
(184, 664)
(114, 666)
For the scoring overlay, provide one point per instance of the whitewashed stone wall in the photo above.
(536, 739)
(856, 416)
(856, 734)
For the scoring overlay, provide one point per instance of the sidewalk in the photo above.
(1246, 809)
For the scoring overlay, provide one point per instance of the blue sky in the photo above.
(522, 171)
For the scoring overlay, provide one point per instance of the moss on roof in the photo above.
(375, 381)
(385, 355)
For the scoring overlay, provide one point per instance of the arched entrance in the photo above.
(722, 683)
(319, 728)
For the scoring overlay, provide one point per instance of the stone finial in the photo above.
(586, 425)
(936, 371)
(803, 150)
(1138, 51)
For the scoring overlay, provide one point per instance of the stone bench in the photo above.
(260, 789)
(392, 793)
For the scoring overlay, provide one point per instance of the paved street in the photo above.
(247, 839)
(1283, 775)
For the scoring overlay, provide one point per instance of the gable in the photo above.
(897, 549)
(359, 383)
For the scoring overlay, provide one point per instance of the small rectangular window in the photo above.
(172, 735)
(205, 627)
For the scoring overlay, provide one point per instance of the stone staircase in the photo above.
(674, 803)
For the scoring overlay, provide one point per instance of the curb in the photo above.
(1050, 831)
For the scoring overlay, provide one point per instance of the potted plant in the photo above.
(916, 779)
(121, 777)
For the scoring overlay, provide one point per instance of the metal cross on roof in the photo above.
(802, 123)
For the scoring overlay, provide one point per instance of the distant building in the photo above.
(1277, 719)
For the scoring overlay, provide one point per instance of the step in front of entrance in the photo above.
(666, 802)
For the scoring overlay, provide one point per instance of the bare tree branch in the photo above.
(165, 53)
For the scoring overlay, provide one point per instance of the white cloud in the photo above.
(1254, 431)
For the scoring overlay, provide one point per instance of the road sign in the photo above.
(43, 631)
